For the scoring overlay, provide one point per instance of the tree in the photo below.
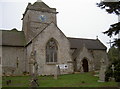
(113, 54)
(112, 8)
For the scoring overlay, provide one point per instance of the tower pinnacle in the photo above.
(39, 1)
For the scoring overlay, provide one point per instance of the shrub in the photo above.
(83, 82)
(109, 73)
(25, 73)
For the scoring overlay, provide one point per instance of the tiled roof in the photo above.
(13, 38)
(89, 43)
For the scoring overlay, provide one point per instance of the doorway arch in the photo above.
(85, 65)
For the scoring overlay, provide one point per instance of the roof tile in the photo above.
(89, 43)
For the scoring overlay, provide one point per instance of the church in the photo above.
(42, 39)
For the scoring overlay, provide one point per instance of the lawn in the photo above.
(69, 80)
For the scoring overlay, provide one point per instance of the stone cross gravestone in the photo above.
(102, 71)
(113, 69)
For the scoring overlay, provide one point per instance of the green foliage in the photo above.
(108, 73)
(117, 71)
(113, 54)
(117, 44)
(116, 74)
(114, 29)
(112, 7)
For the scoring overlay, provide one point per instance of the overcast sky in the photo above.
(76, 18)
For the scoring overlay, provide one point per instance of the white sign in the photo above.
(63, 66)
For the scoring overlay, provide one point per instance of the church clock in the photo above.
(42, 18)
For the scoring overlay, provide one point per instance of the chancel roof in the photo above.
(78, 43)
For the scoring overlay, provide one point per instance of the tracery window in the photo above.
(51, 51)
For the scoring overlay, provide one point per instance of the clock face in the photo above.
(42, 18)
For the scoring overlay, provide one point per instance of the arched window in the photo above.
(51, 51)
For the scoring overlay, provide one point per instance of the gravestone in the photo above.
(34, 72)
(8, 82)
(102, 71)
(34, 82)
(57, 72)
(113, 69)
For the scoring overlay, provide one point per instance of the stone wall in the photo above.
(98, 55)
(9, 60)
(25, 24)
(0, 55)
(29, 49)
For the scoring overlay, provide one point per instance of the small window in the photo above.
(51, 51)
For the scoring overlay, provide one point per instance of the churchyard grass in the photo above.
(69, 80)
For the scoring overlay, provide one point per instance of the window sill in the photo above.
(51, 63)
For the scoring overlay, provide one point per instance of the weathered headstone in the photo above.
(102, 71)
(8, 82)
(34, 80)
(57, 72)
(113, 69)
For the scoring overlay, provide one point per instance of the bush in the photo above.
(109, 73)
(83, 82)
(25, 73)
(117, 72)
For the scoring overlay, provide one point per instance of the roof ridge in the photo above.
(89, 43)
(36, 4)
(10, 31)
(80, 38)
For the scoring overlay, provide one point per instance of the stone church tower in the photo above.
(36, 18)
(42, 40)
